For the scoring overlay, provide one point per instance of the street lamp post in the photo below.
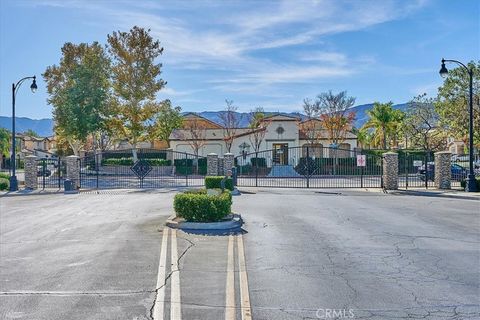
(471, 185)
(15, 87)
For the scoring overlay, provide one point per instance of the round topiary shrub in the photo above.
(198, 206)
(4, 184)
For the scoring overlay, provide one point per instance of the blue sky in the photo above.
(257, 53)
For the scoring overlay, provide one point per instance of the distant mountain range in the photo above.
(44, 127)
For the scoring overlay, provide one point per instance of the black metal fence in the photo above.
(50, 173)
(416, 169)
(309, 167)
(461, 167)
(152, 169)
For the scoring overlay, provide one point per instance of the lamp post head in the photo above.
(443, 70)
(33, 87)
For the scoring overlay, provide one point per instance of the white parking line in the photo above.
(230, 288)
(159, 300)
(175, 307)
(244, 294)
(162, 264)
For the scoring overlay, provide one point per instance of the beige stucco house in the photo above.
(283, 134)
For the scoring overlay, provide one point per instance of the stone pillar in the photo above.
(212, 164)
(443, 171)
(228, 160)
(220, 167)
(73, 170)
(390, 171)
(31, 180)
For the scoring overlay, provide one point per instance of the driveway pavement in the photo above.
(303, 255)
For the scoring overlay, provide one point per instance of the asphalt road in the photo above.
(307, 255)
(379, 256)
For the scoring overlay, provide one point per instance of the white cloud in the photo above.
(224, 41)
(324, 56)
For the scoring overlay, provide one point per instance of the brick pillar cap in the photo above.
(212, 154)
(443, 152)
(390, 153)
(31, 157)
(73, 157)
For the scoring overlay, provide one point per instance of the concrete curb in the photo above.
(436, 193)
(235, 222)
(29, 193)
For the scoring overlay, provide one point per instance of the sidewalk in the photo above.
(25, 192)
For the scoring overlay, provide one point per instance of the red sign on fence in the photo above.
(361, 160)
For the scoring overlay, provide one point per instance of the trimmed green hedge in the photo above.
(4, 175)
(128, 154)
(187, 166)
(214, 182)
(129, 162)
(259, 162)
(4, 184)
(463, 183)
(198, 206)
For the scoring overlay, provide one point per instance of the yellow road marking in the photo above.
(230, 288)
(159, 300)
(244, 294)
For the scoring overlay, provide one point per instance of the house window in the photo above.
(314, 150)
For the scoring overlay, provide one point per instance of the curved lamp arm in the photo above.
(19, 83)
(457, 62)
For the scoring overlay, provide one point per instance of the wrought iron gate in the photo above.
(309, 167)
(50, 173)
(415, 169)
(152, 169)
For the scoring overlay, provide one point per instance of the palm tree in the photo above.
(384, 121)
(364, 138)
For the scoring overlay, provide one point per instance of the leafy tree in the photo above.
(31, 133)
(135, 82)
(168, 118)
(5, 141)
(230, 122)
(335, 115)
(452, 104)
(258, 127)
(78, 90)
(422, 126)
(364, 137)
(384, 120)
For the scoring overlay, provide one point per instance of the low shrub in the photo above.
(258, 162)
(129, 162)
(189, 166)
(4, 184)
(463, 183)
(198, 206)
(4, 175)
(214, 182)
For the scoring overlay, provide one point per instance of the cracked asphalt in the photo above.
(368, 255)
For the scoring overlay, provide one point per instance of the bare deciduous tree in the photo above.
(194, 133)
(311, 127)
(230, 122)
(335, 115)
(258, 127)
(422, 124)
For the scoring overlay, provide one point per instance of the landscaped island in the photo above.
(212, 204)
